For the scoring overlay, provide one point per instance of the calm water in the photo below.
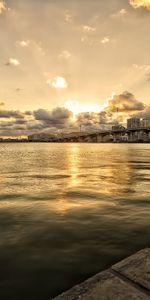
(68, 211)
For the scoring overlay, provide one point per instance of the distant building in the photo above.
(41, 137)
(145, 122)
(133, 123)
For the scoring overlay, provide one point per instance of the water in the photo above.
(68, 211)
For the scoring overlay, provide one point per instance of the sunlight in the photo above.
(77, 108)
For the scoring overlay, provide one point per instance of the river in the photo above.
(68, 211)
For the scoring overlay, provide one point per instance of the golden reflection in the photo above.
(63, 206)
(73, 164)
(119, 175)
(3, 178)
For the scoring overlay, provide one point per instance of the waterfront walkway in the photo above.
(127, 280)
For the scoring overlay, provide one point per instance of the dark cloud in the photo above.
(125, 102)
(2, 105)
(28, 113)
(16, 114)
(18, 90)
(94, 121)
(21, 121)
(44, 121)
(11, 114)
(5, 125)
(144, 113)
(87, 120)
(58, 117)
(103, 117)
(87, 117)
(36, 126)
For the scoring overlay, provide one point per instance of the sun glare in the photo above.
(76, 108)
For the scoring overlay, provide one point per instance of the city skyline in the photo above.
(67, 63)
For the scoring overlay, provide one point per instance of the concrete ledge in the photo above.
(136, 268)
(129, 279)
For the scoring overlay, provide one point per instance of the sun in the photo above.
(76, 107)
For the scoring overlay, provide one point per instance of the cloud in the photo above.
(105, 40)
(12, 62)
(67, 16)
(121, 13)
(58, 82)
(58, 117)
(140, 3)
(3, 7)
(88, 120)
(35, 46)
(89, 37)
(125, 102)
(11, 114)
(88, 29)
(103, 117)
(15, 123)
(85, 39)
(91, 121)
(24, 43)
(15, 114)
(144, 113)
(17, 90)
(144, 68)
(64, 55)
(90, 40)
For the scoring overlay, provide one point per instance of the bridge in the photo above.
(132, 135)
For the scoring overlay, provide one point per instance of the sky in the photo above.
(65, 63)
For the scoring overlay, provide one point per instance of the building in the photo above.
(41, 137)
(145, 122)
(133, 123)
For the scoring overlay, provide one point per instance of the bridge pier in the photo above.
(132, 137)
(119, 137)
(138, 136)
(100, 138)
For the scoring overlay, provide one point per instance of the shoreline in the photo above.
(48, 142)
(128, 279)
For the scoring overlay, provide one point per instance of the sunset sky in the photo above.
(59, 58)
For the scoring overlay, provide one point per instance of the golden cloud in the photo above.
(2, 7)
(64, 55)
(105, 40)
(140, 3)
(88, 29)
(12, 62)
(58, 82)
(24, 43)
